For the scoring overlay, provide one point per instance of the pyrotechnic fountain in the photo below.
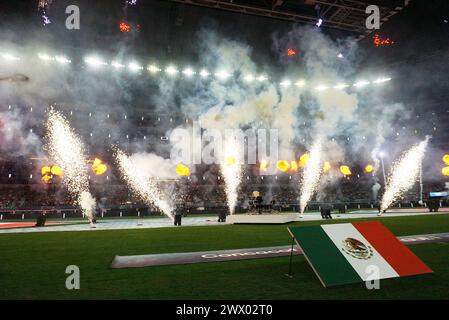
(311, 175)
(142, 185)
(404, 174)
(67, 150)
(232, 173)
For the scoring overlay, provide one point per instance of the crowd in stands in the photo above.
(16, 196)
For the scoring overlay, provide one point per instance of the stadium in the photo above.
(196, 150)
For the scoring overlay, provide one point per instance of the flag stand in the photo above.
(289, 274)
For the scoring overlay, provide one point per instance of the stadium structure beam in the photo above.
(346, 15)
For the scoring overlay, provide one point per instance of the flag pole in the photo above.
(289, 274)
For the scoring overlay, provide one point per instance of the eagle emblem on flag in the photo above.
(357, 249)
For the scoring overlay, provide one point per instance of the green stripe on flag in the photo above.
(326, 259)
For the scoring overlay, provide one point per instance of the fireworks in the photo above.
(345, 170)
(232, 172)
(182, 170)
(67, 150)
(404, 174)
(142, 185)
(311, 175)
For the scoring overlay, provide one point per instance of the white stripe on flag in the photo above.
(339, 232)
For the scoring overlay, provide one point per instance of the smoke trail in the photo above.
(231, 170)
(67, 150)
(404, 174)
(141, 183)
(311, 175)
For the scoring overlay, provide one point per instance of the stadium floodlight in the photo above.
(300, 83)
(381, 80)
(153, 68)
(45, 57)
(94, 61)
(262, 77)
(134, 66)
(341, 86)
(204, 73)
(286, 83)
(188, 72)
(117, 65)
(321, 87)
(248, 78)
(361, 83)
(222, 75)
(171, 70)
(62, 59)
(9, 57)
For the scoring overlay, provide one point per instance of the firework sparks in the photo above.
(404, 174)
(311, 175)
(67, 150)
(142, 185)
(232, 173)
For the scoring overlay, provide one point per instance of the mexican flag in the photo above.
(345, 253)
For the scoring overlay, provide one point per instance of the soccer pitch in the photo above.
(32, 265)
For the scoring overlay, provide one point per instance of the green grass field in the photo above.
(32, 266)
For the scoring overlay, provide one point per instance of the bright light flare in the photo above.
(153, 68)
(171, 70)
(361, 83)
(286, 83)
(45, 57)
(188, 72)
(204, 73)
(321, 87)
(222, 75)
(381, 80)
(117, 65)
(341, 86)
(94, 61)
(9, 56)
(134, 67)
(300, 83)
(62, 60)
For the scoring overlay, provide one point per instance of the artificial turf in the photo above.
(32, 265)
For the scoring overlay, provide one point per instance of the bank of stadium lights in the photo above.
(59, 58)
(204, 73)
(152, 68)
(341, 86)
(9, 56)
(300, 83)
(94, 61)
(381, 80)
(134, 67)
(117, 65)
(361, 83)
(189, 72)
(321, 87)
(171, 70)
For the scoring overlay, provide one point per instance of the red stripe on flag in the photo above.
(401, 258)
